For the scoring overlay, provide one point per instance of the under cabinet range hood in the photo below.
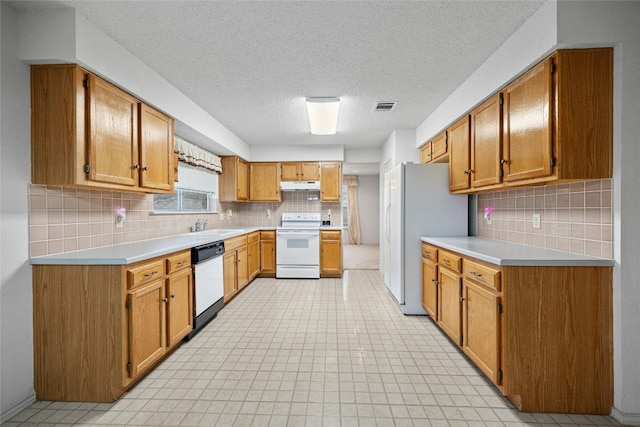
(300, 186)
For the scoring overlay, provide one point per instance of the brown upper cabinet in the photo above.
(234, 181)
(300, 171)
(486, 142)
(459, 159)
(330, 182)
(264, 182)
(425, 153)
(436, 150)
(558, 119)
(553, 124)
(86, 132)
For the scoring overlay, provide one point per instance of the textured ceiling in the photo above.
(250, 64)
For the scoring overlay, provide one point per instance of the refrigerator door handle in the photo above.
(388, 223)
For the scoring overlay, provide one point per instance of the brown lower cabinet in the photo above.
(235, 266)
(267, 253)
(253, 254)
(330, 253)
(541, 334)
(99, 328)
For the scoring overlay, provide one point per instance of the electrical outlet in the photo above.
(536, 220)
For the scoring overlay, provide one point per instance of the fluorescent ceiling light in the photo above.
(323, 115)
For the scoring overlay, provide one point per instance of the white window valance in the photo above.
(196, 156)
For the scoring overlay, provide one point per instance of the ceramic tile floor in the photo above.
(329, 352)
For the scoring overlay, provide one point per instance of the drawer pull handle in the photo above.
(165, 300)
(461, 299)
(173, 295)
(473, 273)
(149, 275)
(445, 260)
(181, 263)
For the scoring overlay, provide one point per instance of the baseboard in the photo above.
(17, 408)
(625, 418)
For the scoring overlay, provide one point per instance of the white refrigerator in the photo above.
(417, 203)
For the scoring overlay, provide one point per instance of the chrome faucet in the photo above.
(201, 224)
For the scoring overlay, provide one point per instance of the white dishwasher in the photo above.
(208, 283)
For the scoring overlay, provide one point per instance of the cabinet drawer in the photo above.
(267, 235)
(178, 261)
(450, 260)
(145, 273)
(481, 274)
(253, 237)
(330, 234)
(234, 243)
(429, 252)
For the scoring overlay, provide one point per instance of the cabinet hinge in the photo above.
(499, 375)
(460, 286)
(87, 168)
(128, 304)
(462, 337)
(129, 367)
(85, 83)
(501, 173)
(499, 307)
(553, 68)
(552, 161)
(501, 100)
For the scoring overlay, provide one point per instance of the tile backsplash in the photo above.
(70, 219)
(575, 217)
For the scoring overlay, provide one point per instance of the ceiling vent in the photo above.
(385, 106)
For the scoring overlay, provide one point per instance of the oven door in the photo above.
(298, 253)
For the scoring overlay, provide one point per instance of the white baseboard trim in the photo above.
(18, 407)
(625, 418)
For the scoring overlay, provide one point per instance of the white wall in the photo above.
(277, 153)
(368, 206)
(531, 42)
(49, 36)
(16, 330)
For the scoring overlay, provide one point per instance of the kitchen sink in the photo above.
(216, 232)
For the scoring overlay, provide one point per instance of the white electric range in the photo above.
(298, 246)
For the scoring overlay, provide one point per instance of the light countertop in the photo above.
(504, 253)
(128, 253)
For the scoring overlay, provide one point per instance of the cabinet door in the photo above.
(156, 149)
(331, 257)
(242, 180)
(253, 252)
(527, 124)
(486, 143)
(242, 271)
(268, 256)
(430, 288)
(147, 334)
(229, 268)
(330, 182)
(309, 171)
(264, 182)
(481, 329)
(112, 145)
(459, 161)
(179, 307)
(449, 313)
(425, 153)
(290, 171)
(439, 147)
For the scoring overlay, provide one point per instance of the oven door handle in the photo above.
(298, 233)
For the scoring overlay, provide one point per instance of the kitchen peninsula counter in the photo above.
(513, 254)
